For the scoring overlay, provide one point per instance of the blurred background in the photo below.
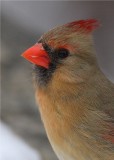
(22, 24)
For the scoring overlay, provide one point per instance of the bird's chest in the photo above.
(59, 128)
(64, 130)
(54, 122)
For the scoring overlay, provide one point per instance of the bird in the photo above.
(75, 98)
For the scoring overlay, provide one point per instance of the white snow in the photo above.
(13, 147)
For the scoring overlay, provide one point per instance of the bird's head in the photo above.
(64, 53)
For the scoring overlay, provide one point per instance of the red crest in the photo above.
(88, 25)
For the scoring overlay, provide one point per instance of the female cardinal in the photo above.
(76, 100)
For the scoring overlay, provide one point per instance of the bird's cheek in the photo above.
(37, 55)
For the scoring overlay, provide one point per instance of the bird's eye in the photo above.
(63, 53)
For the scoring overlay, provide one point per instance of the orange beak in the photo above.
(37, 55)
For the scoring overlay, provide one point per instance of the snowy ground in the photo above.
(13, 147)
